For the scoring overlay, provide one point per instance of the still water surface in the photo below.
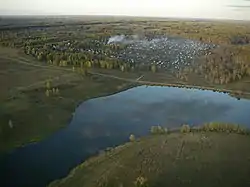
(108, 121)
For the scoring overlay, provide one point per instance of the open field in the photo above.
(175, 159)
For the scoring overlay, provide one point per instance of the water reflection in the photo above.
(108, 121)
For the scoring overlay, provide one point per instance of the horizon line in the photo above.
(117, 15)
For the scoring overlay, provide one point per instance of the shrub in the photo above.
(132, 138)
(153, 130)
(185, 129)
(158, 130)
(141, 182)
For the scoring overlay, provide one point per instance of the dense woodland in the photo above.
(223, 66)
(85, 46)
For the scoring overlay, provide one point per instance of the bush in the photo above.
(141, 182)
(132, 138)
(153, 130)
(158, 130)
(185, 129)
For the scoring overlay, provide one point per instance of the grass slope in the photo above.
(176, 159)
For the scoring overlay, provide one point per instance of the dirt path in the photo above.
(138, 80)
(169, 84)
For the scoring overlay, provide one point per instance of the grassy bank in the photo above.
(205, 157)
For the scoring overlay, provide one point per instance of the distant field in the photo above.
(176, 159)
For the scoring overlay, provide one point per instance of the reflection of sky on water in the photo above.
(160, 105)
(108, 121)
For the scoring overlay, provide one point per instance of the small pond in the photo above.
(108, 121)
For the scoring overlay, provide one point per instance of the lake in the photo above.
(108, 121)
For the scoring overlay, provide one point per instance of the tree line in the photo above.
(222, 66)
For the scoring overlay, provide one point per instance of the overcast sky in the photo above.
(224, 9)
